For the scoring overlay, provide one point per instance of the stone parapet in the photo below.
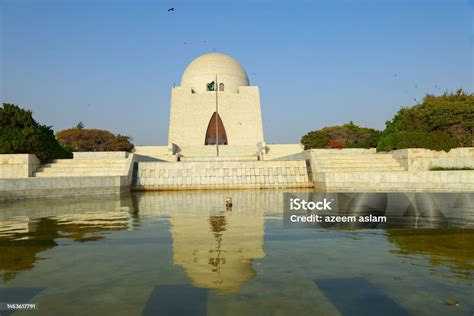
(100, 155)
(18, 165)
(221, 175)
(12, 189)
(418, 159)
(406, 181)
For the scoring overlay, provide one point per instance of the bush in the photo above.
(335, 144)
(450, 114)
(21, 134)
(348, 135)
(93, 140)
(406, 139)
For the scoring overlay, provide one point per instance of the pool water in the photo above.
(184, 253)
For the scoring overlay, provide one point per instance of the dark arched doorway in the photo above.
(211, 135)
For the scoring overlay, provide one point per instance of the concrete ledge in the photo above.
(18, 165)
(241, 158)
(101, 155)
(418, 159)
(436, 181)
(12, 189)
(221, 187)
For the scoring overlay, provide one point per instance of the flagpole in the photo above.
(217, 119)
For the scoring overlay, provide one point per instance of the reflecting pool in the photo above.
(160, 253)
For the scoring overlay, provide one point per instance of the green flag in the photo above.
(210, 86)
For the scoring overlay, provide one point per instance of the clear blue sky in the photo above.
(111, 64)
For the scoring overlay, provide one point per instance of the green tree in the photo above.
(439, 122)
(21, 134)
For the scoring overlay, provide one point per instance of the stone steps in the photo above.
(154, 150)
(87, 165)
(84, 165)
(87, 161)
(224, 151)
(355, 157)
(241, 158)
(92, 155)
(357, 165)
(80, 169)
(360, 169)
(354, 161)
(77, 174)
(151, 153)
(281, 150)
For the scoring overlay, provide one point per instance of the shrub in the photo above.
(451, 114)
(21, 134)
(406, 139)
(335, 144)
(315, 139)
(93, 140)
(348, 135)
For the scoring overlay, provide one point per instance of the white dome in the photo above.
(204, 69)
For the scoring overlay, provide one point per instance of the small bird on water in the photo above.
(170, 9)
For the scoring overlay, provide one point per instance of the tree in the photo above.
(21, 134)
(93, 140)
(348, 135)
(439, 122)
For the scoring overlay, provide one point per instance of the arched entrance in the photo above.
(211, 135)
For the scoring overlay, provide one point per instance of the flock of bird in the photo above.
(416, 87)
(172, 9)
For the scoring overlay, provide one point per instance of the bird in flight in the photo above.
(171, 9)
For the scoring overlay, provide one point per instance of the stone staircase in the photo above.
(218, 159)
(274, 151)
(151, 153)
(357, 170)
(83, 167)
(224, 151)
(364, 162)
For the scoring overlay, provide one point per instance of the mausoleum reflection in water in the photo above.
(215, 246)
(123, 248)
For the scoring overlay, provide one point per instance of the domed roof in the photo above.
(202, 69)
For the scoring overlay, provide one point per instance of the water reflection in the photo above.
(217, 251)
(451, 248)
(215, 247)
(24, 237)
(218, 248)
